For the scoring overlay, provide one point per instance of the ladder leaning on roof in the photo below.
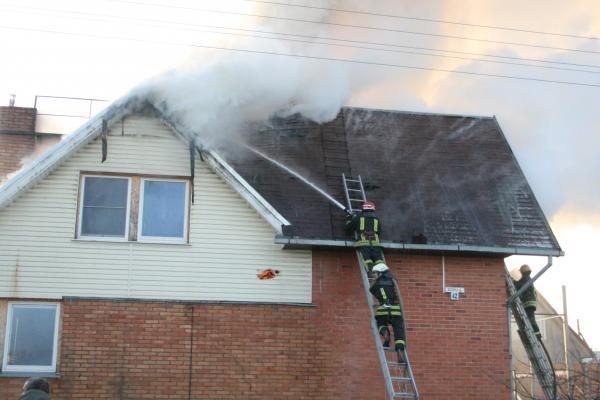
(536, 351)
(399, 379)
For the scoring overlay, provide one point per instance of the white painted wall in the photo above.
(229, 242)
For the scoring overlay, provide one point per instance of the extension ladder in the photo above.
(536, 351)
(397, 372)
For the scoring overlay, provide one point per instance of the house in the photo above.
(136, 277)
(581, 369)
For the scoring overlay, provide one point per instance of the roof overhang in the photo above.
(300, 243)
(244, 189)
(52, 159)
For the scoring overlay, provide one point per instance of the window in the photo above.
(104, 207)
(31, 337)
(133, 208)
(163, 210)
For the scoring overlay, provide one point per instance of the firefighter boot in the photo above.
(385, 335)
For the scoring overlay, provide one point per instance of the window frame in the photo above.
(6, 367)
(140, 217)
(125, 236)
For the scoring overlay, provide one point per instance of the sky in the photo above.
(534, 65)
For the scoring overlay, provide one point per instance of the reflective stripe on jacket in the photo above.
(386, 310)
(367, 227)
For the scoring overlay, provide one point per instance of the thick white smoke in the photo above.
(219, 95)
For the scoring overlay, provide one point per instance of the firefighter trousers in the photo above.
(391, 315)
(530, 311)
(371, 255)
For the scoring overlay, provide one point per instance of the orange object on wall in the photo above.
(268, 274)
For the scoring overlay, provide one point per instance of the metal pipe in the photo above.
(512, 298)
(565, 337)
(443, 274)
(513, 375)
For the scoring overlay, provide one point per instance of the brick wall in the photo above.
(158, 350)
(16, 137)
(17, 119)
(13, 148)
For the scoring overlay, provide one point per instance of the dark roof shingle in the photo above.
(455, 179)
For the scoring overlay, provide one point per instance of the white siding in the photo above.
(229, 242)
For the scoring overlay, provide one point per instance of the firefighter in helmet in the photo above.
(528, 298)
(366, 227)
(389, 311)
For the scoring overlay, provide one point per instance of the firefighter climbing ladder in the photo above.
(399, 380)
(536, 351)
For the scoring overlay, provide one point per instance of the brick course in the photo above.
(119, 349)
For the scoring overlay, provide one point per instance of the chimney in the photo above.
(17, 136)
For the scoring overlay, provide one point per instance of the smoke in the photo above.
(40, 148)
(550, 127)
(219, 95)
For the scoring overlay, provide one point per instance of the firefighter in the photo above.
(528, 298)
(366, 227)
(389, 311)
(35, 389)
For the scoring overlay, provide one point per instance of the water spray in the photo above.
(297, 175)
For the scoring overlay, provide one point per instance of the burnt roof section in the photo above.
(452, 178)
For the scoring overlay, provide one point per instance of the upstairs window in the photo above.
(133, 208)
(104, 207)
(31, 339)
(163, 210)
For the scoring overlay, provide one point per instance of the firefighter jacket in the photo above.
(366, 227)
(384, 289)
(529, 296)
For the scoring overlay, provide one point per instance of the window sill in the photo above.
(86, 240)
(25, 374)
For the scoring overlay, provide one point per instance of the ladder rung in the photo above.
(397, 364)
(350, 179)
(361, 200)
(354, 190)
(404, 396)
(400, 379)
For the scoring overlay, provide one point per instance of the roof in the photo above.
(452, 178)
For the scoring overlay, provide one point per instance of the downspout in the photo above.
(513, 377)
(530, 283)
(509, 304)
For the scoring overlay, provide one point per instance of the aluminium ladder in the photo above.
(536, 351)
(398, 375)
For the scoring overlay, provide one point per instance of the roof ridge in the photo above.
(419, 112)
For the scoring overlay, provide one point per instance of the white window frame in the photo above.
(186, 213)
(125, 237)
(7, 336)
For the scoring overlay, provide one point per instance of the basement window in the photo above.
(31, 339)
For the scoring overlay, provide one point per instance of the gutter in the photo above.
(295, 242)
(512, 298)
